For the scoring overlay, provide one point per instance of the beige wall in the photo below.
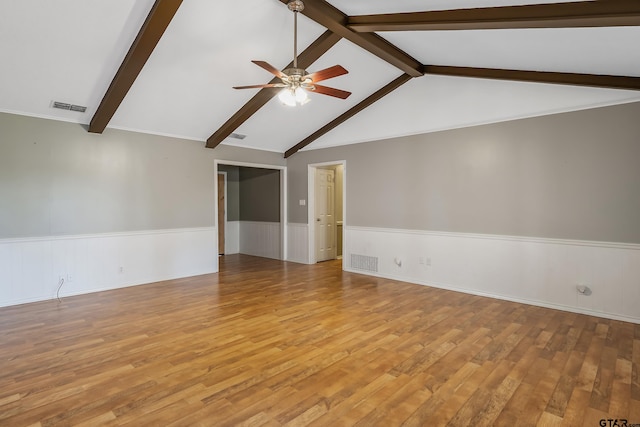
(572, 176)
(58, 179)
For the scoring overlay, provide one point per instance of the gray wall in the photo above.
(259, 194)
(573, 175)
(57, 179)
(233, 191)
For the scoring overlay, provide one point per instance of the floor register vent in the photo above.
(364, 263)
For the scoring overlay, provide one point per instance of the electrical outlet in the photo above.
(428, 262)
(583, 289)
(121, 270)
(421, 260)
(69, 278)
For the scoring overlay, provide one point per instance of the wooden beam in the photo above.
(333, 19)
(145, 42)
(608, 13)
(311, 54)
(594, 80)
(349, 113)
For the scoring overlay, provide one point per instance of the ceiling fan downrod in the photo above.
(295, 81)
(295, 6)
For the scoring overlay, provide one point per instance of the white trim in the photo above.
(298, 247)
(156, 133)
(311, 193)
(103, 235)
(543, 240)
(283, 196)
(64, 295)
(232, 239)
(226, 198)
(90, 263)
(537, 271)
(532, 115)
(536, 303)
(49, 117)
(259, 238)
(339, 144)
(248, 165)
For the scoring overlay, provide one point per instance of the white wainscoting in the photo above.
(536, 271)
(298, 246)
(31, 268)
(232, 238)
(260, 239)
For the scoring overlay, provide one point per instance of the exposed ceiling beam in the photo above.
(349, 113)
(607, 13)
(333, 19)
(148, 37)
(595, 80)
(310, 55)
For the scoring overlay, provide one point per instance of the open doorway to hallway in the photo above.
(222, 209)
(327, 183)
(251, 214)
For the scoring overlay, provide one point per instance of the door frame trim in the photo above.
(311, 206)
(225, 210)
(283, 198)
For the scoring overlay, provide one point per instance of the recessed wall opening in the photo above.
(250, 209)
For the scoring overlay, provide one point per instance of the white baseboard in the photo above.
(31, 268)
(260, 239)
(232, 238)
(542, 272)
(298, 247)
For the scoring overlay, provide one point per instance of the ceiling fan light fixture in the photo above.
(292, 97)
(296, 80)
(301, 96)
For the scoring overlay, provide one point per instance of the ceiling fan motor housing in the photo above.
(296, 5)
(296, 77)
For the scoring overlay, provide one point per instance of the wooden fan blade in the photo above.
(270, 68)
(327, 73)
(325, 90)
(259, 86)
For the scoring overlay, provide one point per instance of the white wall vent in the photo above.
(71, 107)
(364, 263)
(237, 136)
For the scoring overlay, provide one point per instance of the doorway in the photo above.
(253, 221)
(222, 211)
(325, 207)
(327, 196)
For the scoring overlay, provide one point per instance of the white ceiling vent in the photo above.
(70, 107)
(237, 136)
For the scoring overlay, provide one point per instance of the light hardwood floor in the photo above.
(272, 343)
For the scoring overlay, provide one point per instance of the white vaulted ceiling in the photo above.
(70, 50)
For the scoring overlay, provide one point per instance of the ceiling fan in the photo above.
(296, 81)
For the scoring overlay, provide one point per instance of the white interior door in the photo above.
(325, 225)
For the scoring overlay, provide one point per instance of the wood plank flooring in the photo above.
(268, 343)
